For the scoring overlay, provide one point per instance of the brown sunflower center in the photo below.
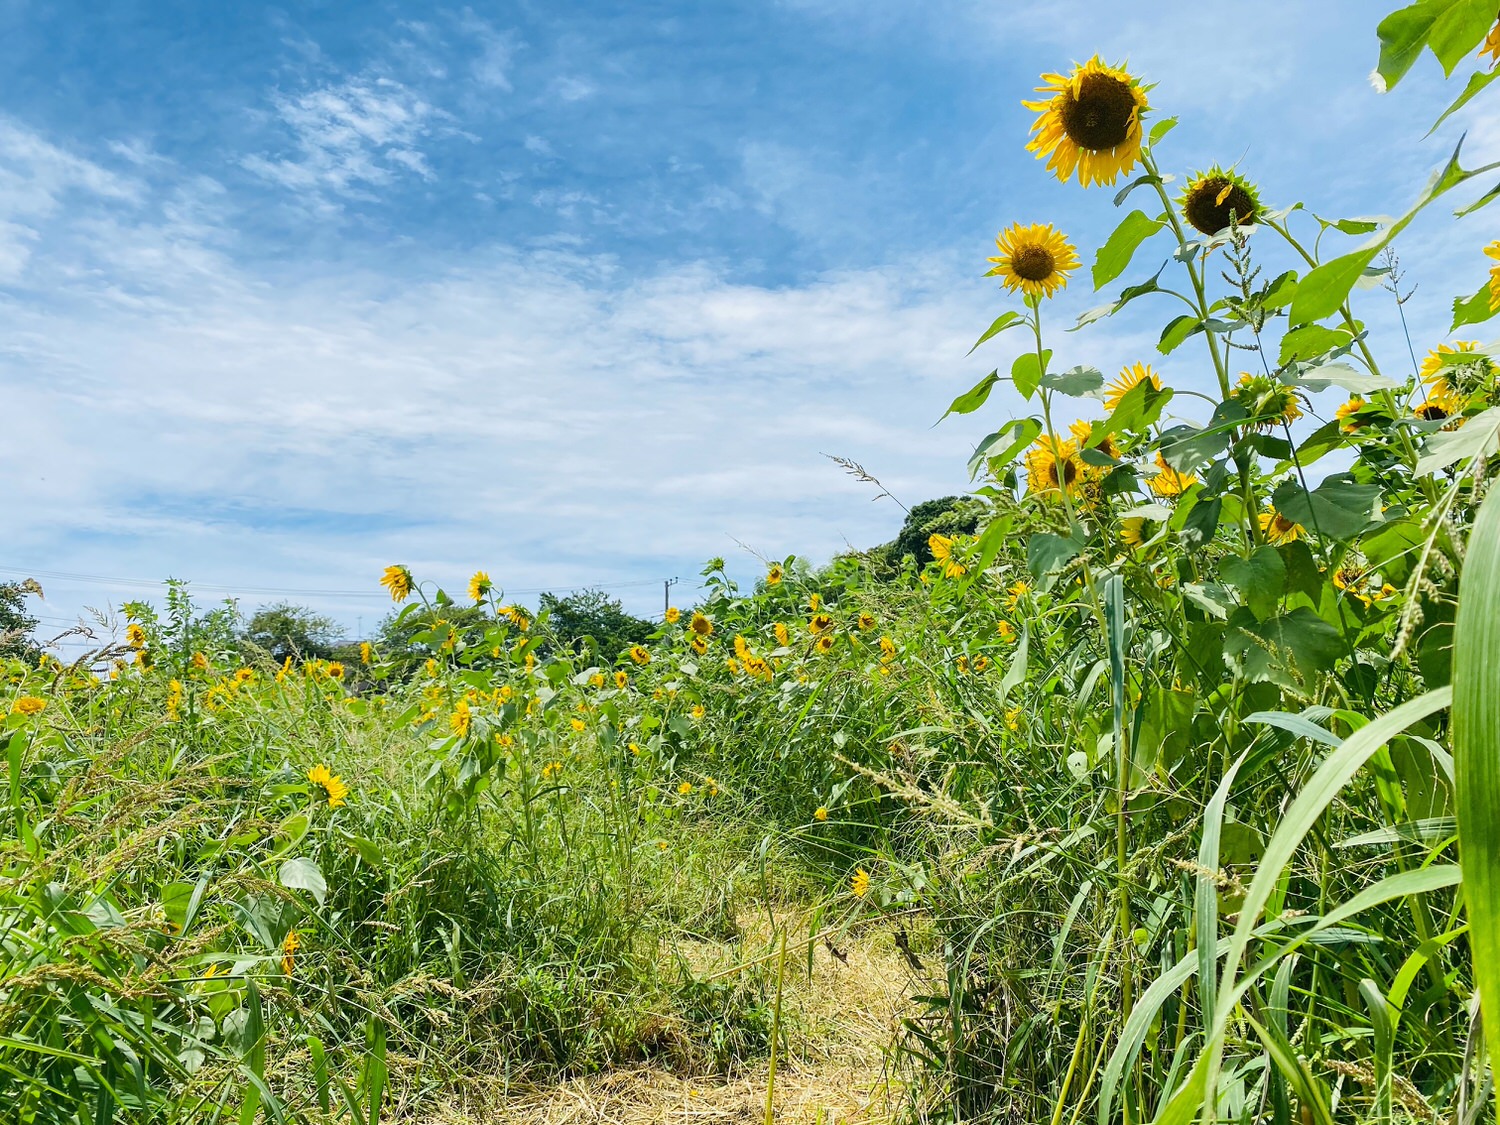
(1098, 116)
(1068, 471)
(1432, 412)
(1281, 524)
(1033, 263)
(1208, 214)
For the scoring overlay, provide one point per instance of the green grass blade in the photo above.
(1476, 756)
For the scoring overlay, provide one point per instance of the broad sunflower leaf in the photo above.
(1309, 342)
(1202, 522)
(1338, 508)
(1478, 437)
(1114, 256)
(1299, 642)
(1178, 330)
(1459, 30)
(1076, 382)
(1026, 431)
(1002, 322)
(1345, 376)
(1140, 407)
(1027, 371)
(973, 398)
(302, 874)
(1046, 552)
(1444, 25)
(1475, 309)
(1260, 579)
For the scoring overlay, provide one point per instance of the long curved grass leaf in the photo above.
(1476, 756)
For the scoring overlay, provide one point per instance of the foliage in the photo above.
(284, 630)
(590, 620)
(16, 623)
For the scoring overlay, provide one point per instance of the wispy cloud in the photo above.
(349, 137)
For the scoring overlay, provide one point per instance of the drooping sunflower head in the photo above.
(1129, 376)
(397, 579)
(1035, 259)
(820, 623)
(333, 787)
(1053, 465)
(1465, 378)
(1168, 482)
(774, 575)
(1090, 123)
(479, 586)
(1214, 198)
(864, 622)
(1267, 400)
(698, 643)
(1279, 529)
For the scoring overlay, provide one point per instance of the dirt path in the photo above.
(840, 1019)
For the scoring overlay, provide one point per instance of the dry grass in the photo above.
(839, 1020)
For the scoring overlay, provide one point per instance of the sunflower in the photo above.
(820, 813)
(1052, 465)
(1267, 400)
(461, 719)
(1493, 251)
(1491, 47)
(622, 679)
(640, 654)
(820, 623)
(135, 636)
(1466, 379)
(397, 579)
(774, 575)
(860, 883)
(887, 650)
(1278, 529)
(479, 586)
(1084, 432)
(1091, 124)
(366, 652)
(1168, 481)
(1211, 199)
(1128, 378)
(1015, 593)
(1447, 406)
(864, 622)
(672, 614)
(814, 602)
(698, 644)
(1135, 531)
(783, 635)
(1345, 414)
(28, 705)
(701, 625)
(334, 789)
(289, 946)
(1034, 259)
(941, 547)
(824, 643)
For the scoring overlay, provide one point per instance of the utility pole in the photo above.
(666, 595)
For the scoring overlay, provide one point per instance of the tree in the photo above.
(947, 515)
(16, 624)
(593, 614)
(284, 630)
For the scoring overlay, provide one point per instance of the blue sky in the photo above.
(579, 293)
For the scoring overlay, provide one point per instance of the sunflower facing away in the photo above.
(479, 586)
(1345, 414)
(1091, 124)
(332, 785)
(1052, 465)
(1278, 529)
(1493, 251)
(397, 579)
(1035, 259)
(1128, 378)
(1267, 400)
(1212, 198)
(1491, 47)
(1463, 380)
(1135, 531)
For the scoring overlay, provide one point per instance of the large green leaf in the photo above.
(1027, 371)
(1025, 431)
(1260, 579)
(1478, 437)
(1114, 256)
(1046, 552)
(1289, 650)
(973, 398)
(1476, 755)
(1452, 28)
(1476, 309)
(1002, 322)
(1339, 507)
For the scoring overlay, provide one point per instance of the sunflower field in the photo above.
(1176, 784)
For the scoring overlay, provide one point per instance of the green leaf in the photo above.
(1027, 371)
(1202, 522)
(1140, 407)
(1075, 382)
(1344, 376)
(1114, 256)
(1476, 755)
(303, 874)
(1309, 342)
(1026, 430)
(1290, 650)
(1260, 579)
(1476, 309)
(1402, 36)
(1339, 507)
(1002, 322)
(1161, 129)
(1478, 437)
(972, 399)
(1459, 30)
(1046, 553)
(1178, 330)
(1477, 82)
(1126, 296)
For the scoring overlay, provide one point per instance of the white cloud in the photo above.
(348, 137)
(571, 88)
